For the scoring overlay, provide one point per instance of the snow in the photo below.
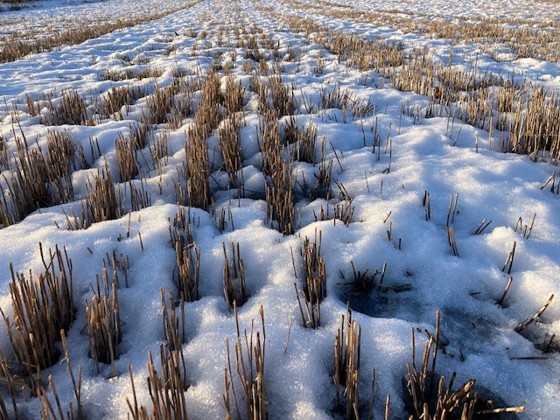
(425, 156)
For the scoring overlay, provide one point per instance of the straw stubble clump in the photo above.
(206, 120)
(432, 397)
(347, 365)
(187, 255)
(118, 98)
(102, 203)
(230, 145)
(315, 283)
(245, 381)
(43, 305)
(39, 179)
(103, 323)
(235, 288)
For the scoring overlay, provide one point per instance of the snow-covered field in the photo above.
(423, 189)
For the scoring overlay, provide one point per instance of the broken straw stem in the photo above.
(529, 321)
(506, 290)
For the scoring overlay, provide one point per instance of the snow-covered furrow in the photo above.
(537, 10)
(473, 54)
(385, 160)
(52, 17)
